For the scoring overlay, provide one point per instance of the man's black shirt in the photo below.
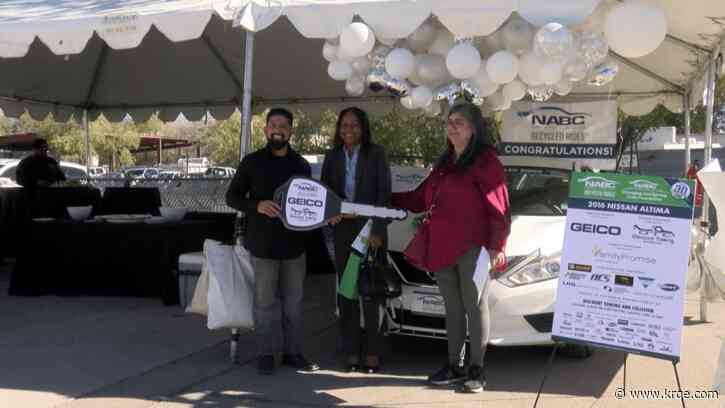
(259, 174)
(33, 169)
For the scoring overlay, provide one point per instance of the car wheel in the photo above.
(575, 351)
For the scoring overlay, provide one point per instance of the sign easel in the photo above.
(624, 267)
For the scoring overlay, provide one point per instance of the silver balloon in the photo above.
(471, 92)
(576, 69)
(554, 43)
(378, 55)
(448, 93)
(604, 73)
(541, 93)
(398, 87)
(377, 79)
(593, 48)
(517, 35)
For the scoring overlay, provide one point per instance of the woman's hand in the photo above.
(335, 220)
(269, 208)
(376, 241)
(498, 260)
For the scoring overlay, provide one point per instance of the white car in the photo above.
(8, 169)
(521, 299)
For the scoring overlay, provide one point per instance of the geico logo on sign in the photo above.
(596, 229)
(305, 201)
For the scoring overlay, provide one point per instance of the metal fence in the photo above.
(195, 194)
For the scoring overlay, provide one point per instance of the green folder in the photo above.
(348, 283)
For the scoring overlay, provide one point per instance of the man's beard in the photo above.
(277, 144)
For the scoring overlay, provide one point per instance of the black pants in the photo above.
(354, 342)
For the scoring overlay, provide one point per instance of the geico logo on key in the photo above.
(596, 228)
(305, 201)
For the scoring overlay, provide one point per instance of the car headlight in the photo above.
(538, 269)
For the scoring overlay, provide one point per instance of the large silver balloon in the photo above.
(576, 69)
(592, 48)
(471, 92)
(604, 73)
(377, 79)
(398, 87)
(541, 93)
(554, 43)
(448, 93)
(378, 55)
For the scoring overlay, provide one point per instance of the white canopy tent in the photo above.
(84, 57)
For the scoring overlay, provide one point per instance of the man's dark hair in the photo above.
(481, 138)
(362, 117)
(38, 143)
(281, 112)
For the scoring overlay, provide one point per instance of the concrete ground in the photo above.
(81, 352)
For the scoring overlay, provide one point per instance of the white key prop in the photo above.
(308, 204)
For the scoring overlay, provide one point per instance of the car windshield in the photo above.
(135, 172)
(534, 191)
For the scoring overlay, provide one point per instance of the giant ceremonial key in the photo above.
(307, 204)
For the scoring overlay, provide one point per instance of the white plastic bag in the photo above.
(231, 286)
(199, 304)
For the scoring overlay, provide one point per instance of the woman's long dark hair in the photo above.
(481, 138)
(362, 117)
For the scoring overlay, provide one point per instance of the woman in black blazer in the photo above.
(357, 170)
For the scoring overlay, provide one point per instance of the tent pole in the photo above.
(87, 126)
(688, 154)
(246, 125)
(706, 159)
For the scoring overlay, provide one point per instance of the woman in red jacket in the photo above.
(466, 208)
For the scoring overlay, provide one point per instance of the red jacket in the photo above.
(471, 208)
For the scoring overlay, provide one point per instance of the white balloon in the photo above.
(485, 85)
(498, 101)
(361, 65)
(550, 73)
(357, 39)
(530, 69)
(514, 90)
(414, 77)
(502, 67)
(339, 70)
(355, 86)
(431, 69)
(329, 51)
(635, 28)
(442, 43)
(422, 37)
(517, 35)
(333, 41)
(343, 56)
(463, 61)
(422, 96)
(400, 63)
(563, 87)
(554, 43)
(407, 102)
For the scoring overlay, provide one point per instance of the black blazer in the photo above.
(372, 179)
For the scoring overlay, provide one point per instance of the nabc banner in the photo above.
(581, 130)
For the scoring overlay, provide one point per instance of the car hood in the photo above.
(529, 233)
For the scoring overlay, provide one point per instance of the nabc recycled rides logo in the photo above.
(554, 116)
(644, 185)
(598, 182)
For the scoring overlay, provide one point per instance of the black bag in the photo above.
(376, 278)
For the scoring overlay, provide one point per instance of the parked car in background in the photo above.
(169, 174)
(9, 168)
(141, 172)
(98, 172)
(223, 172)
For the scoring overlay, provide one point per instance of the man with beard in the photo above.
(278, 254)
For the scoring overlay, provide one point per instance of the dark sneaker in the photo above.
(449, 374)
(299, 362)
(265, 365)
(476, 380)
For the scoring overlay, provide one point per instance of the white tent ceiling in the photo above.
(140, 56)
